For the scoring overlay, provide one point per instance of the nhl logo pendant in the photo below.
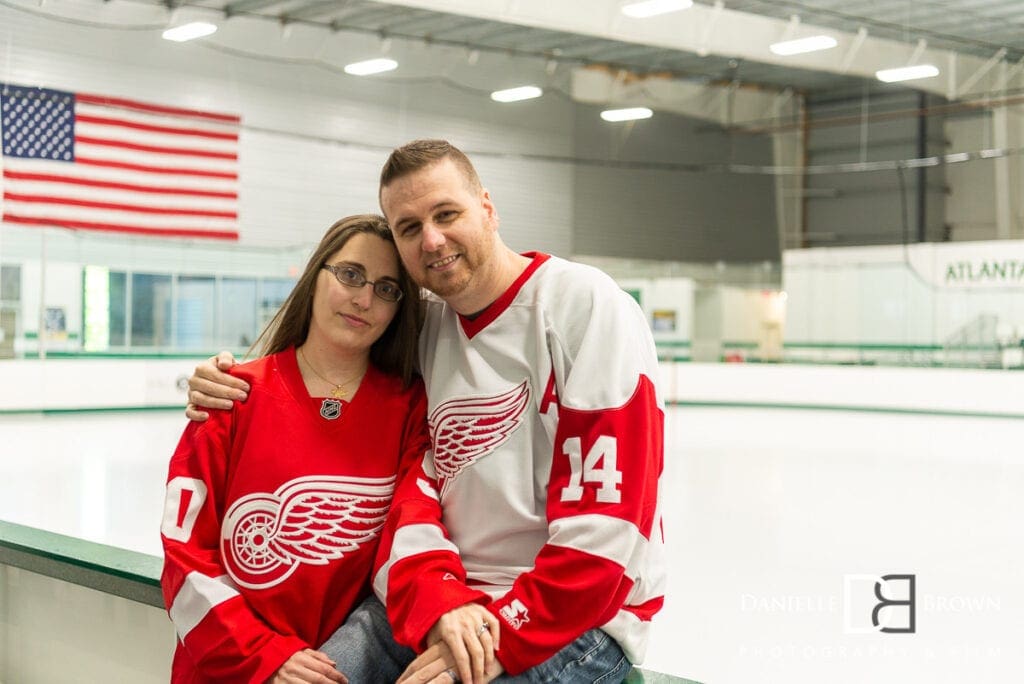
(330, 409)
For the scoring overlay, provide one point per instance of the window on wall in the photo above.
(10, 283)
(151, 323)
(125, 311)
(238, 325)
(196, 320)
(117, 302)
(104, 308)
(10, 295)
(273, 292)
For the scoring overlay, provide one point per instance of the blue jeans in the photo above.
(594, 658)
(364, 649)
(366, 653)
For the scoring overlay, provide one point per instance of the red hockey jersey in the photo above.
(540, 497)
(273, 517)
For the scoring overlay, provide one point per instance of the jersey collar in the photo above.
(471, 326)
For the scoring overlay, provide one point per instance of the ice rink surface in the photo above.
(779, 524)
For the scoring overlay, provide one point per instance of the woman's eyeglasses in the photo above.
(388, 290)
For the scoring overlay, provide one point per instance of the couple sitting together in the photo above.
(455, 485)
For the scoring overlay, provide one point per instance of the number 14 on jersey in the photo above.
(599, 467)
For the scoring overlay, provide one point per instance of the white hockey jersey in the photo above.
(541, 496)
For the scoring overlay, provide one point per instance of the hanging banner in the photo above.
(997, 264)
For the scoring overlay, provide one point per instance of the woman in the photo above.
(274, 507)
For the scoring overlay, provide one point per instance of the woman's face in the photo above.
(353, 318)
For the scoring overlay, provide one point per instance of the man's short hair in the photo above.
(420, 154)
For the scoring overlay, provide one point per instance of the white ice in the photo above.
(769, 515)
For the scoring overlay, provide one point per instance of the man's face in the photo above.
(445, 232)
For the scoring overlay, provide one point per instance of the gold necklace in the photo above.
(339, 391)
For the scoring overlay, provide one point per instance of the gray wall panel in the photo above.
(668, 214)
(873, 207)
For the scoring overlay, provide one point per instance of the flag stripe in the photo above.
(122, 123)
(13, 197)
(105, 142)
(155, 169)
(132, 187)
(160, 109)
(152, 119)
(128, 199)
(153, 159)
(117, 228)
(143, 137)
(115, 175)
(61, 214)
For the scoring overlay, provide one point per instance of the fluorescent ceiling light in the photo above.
(371, 66)
(515, 94)
(652, 8)
(196, 29)
(992, 154)
(907, 73)
(802, 45)
(626, 114)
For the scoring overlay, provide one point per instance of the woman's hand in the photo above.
(436, 665)
(471, 634)
(308, 666)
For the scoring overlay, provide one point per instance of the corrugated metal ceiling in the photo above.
(975, 27)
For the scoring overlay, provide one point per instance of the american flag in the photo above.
(88, 162)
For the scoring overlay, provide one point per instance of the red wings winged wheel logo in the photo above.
(466, 428)
(314, 520)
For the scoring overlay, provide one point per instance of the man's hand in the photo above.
(471, 634)
(436, 665)
(210, 387)
(307, 666)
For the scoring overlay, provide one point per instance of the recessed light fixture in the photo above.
(802, 45)
(515, 94)
(652, 8)
(371, 66)
(908, 73)
(628, 114)
(191, 31)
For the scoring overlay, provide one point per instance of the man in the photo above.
(532, 533)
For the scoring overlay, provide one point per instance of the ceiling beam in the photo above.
(319, 9)
(244, 6)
